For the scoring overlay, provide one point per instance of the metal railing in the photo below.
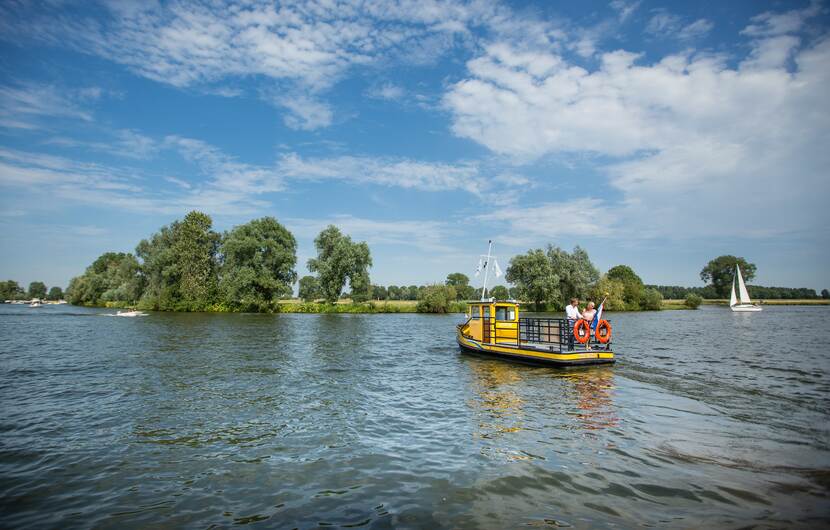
(550, 333)
(556, 332)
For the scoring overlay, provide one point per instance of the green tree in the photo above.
(379, 292)
(112, 277)
(825, 294)
(720, 272)
(634, 288)
(180, 265)
(412, 292)
(652, 300)
(693, 301)
(461, 283)
(309, 289)
(535, 278)
(10, 290)
(338, 260)
(575, 271)
(55, 293)
(499, 292)
(614, 289)
(37, 290)
(394, 292)
(258, 264)
(436, 299)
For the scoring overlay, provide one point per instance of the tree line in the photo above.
(719, 274)
(187, 266)
(10, 290)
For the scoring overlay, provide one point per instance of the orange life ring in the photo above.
(603, 331)
(582, 331)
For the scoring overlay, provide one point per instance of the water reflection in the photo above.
(594, 391)
(506, 398)
(496, 403)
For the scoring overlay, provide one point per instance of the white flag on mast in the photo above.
(496, 267)
(478, 269)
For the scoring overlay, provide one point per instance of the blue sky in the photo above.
(658, 135)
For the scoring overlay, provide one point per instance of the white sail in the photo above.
(742, 293)
(732, 299)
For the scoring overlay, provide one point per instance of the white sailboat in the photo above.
(744, 303)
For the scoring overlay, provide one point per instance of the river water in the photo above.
(708, 419)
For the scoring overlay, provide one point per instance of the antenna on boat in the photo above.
(486, 268)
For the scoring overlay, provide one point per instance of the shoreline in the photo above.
(410, 306)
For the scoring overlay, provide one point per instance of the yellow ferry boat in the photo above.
(494, 328)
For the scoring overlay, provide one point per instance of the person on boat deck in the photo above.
(589, 312)
(572, 310)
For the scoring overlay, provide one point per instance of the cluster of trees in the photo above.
(10, 290)
(550, 278)
(626, 291)
(187, 266)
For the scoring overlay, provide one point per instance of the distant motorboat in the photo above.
(743, 304)
(35, 303)
(131, 313)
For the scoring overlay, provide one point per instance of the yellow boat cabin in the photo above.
(493, 327)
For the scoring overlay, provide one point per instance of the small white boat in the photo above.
(131, 313)
(36, 303)
(743, 304)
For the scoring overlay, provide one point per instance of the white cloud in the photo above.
(305, 113)
(428, 236)
(580, 217)
(625, 9)
(696, 29)
(227, 175)
(668, 25)
(771, 24)
(25, 105)
(123, 142)
(691, 139)
(304, 48)
(386, 91)
(401, 173)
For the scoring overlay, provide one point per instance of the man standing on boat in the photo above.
(573, 314)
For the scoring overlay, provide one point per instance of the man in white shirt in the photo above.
(573, 314)
(572, 310)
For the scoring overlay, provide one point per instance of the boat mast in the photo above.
(486, 268)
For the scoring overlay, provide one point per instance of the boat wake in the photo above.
(127, 314)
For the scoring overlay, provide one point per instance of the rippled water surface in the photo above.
(709, 418)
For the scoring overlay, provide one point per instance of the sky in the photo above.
(657, 135)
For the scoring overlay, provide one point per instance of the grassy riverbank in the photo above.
(680, 304)
(298, 306)
(808, 301)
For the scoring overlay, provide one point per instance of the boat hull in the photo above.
(746, 308)
(535, 357)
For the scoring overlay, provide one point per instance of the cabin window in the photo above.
(505, 313)
(487, 311)
(475, 311)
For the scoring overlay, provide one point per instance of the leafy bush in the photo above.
(436, 299)
(693, 301)
(652, 300)
(614, 289)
